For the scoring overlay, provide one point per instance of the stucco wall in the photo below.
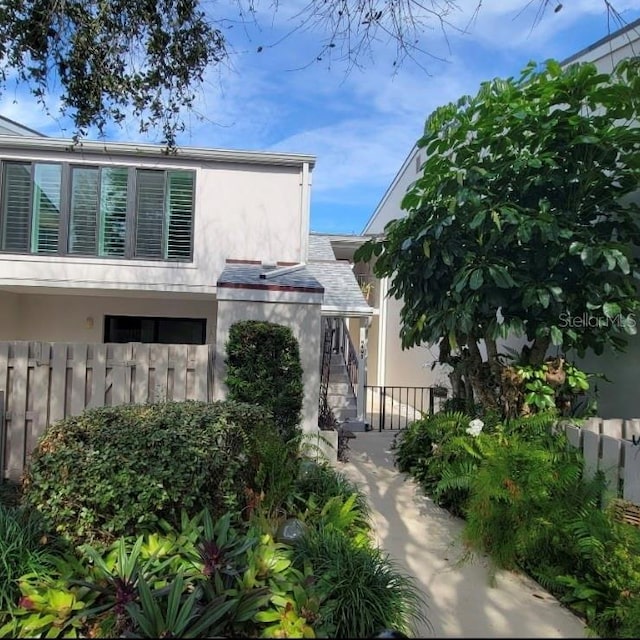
(304, 320)
(78, 318)
(9, 316)
(410, 367)
(243, 211)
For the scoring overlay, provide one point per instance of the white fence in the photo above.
(608, 446)
(43, 382)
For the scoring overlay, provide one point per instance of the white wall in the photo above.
(78, 318)
(389, 207)
(9, 316)
(620, 397)
(242, 211)
(304, 320)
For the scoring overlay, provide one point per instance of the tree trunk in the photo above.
(539, 350)
(480, 377)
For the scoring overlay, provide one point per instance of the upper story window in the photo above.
(126, 212)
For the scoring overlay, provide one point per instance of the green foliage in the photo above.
(439, 453)
(86, 45)
(24, 549)
(519, 486)
(175, 615)
(119, 470)
(263, 367)
(518, 224)
(367, 592)
(519, 494)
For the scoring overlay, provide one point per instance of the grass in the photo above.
(368, 592)
(24, 548)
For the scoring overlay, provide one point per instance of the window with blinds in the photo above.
(103, 211)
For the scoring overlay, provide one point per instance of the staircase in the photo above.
(340, 396)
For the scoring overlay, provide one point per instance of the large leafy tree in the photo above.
(521, 223)
(101, 61)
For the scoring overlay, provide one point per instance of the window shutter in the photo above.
(113, 210)
(84, 211)
(180, 215)
(150, 214)
(16, 208)
(46, 208)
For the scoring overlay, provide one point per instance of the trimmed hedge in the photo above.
(119, 470)
(263, 367)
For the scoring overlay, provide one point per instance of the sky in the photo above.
(360, 122)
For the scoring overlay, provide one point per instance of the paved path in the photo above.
(425, 541)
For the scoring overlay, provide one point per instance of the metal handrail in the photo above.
(325, 369)
(350, 356)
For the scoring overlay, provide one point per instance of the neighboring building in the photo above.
(116, 242)
(390, 365)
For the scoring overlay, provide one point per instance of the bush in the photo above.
(24, 548)
(263, 367)
(119, 470)
(367, 592)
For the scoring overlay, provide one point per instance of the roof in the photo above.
(320, 248)
(10, 127)
(342, 293)
(255, 276)
(632, 26)
(21, 142)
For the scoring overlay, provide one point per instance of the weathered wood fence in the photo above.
(608, 446)
(43, 382)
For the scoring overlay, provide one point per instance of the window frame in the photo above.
(131, 217)
(156, 320)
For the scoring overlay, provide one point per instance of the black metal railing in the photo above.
(394, 407)
(350, 355)
(325, 370)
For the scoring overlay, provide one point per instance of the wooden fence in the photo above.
(43, 382)
(609, 446)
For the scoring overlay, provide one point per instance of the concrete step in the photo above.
(339, 401)
(342, 415)
(339, 387)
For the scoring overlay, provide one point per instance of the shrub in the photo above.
(118, 470)
(24, 548)
(263, 367)
(367, 592)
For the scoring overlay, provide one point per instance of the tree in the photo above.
(107, 60)
(520, 224)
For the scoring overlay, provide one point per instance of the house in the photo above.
(118, 243)
(390, 365)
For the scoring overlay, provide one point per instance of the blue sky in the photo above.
(360, 123)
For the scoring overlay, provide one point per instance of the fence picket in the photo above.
(201, 373)
(631, 486)
(78, 379)
(58, 382)
(38, 383)
(17, 408)
(590, 449)
(141, 386)
(98, 376)
(610, 464)
(612, 427)
(180, 357)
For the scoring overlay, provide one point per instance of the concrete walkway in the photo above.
(424, 540)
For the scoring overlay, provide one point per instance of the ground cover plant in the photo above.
(520, 488)
(210, 562)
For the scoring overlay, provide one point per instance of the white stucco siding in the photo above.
(80, 318)
(242, 210)
(389, 207)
